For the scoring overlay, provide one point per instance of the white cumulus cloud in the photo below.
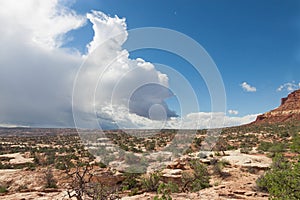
(233, 112)
(200, 120)
(247, 87)
(289, 86)
(43, 22)
(236, 121)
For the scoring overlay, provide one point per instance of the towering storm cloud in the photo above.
(109, 78)
(38, 76)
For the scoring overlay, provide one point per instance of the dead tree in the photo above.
(80, 181)
(83, 187)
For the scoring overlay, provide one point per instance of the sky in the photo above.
(54, 52)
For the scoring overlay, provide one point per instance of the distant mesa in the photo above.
(288, 111)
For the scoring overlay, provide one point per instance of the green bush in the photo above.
(198, 141)
(277, 148)
(134, 191)
(197, 180)
(282, 181)
(151, 182)
(101, 165)
(246, 150)
(164, 191)
(130, 181)
(60, 166)
(295, 146)
(3, 189)
(150, 146)
(218, 167)
(264, 146)
(172, 187)
(49, 178)
(273, 148)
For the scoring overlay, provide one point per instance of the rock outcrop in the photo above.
(289, 110)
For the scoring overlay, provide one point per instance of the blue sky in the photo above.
(250, 41)
(254, 44)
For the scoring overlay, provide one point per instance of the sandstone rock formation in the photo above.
(288, 111)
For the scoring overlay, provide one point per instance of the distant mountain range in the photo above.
(288, 111)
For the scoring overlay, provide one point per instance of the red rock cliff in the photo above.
(289, 110)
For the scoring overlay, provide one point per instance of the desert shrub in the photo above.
(60, 166)
(130, 181)
(277, 148)
(164, 191)
(5, 166)
(284, 134)
(172, 187)
(50, 158)
(134, 191)
(100, 191)
(62, 162)
(124, 147)
(49, 178)
(252, 170)
(188, 151)
(246, 150)
(198, 141)
(246, 144)
(230, 147)
(37, 159)
(101, 165)
(135, 150)
(150, 146)
(22, 188)
(282, 180)
(273, 148)
(30, 166)
(217, 153)
(3, 189)
(151, 182)
(5, 159)
(218, 167)
(264, 146)
(198, 179)
(295, 146)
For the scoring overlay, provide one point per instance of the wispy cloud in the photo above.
(233, 112)
(247, 87)
(289, 87)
